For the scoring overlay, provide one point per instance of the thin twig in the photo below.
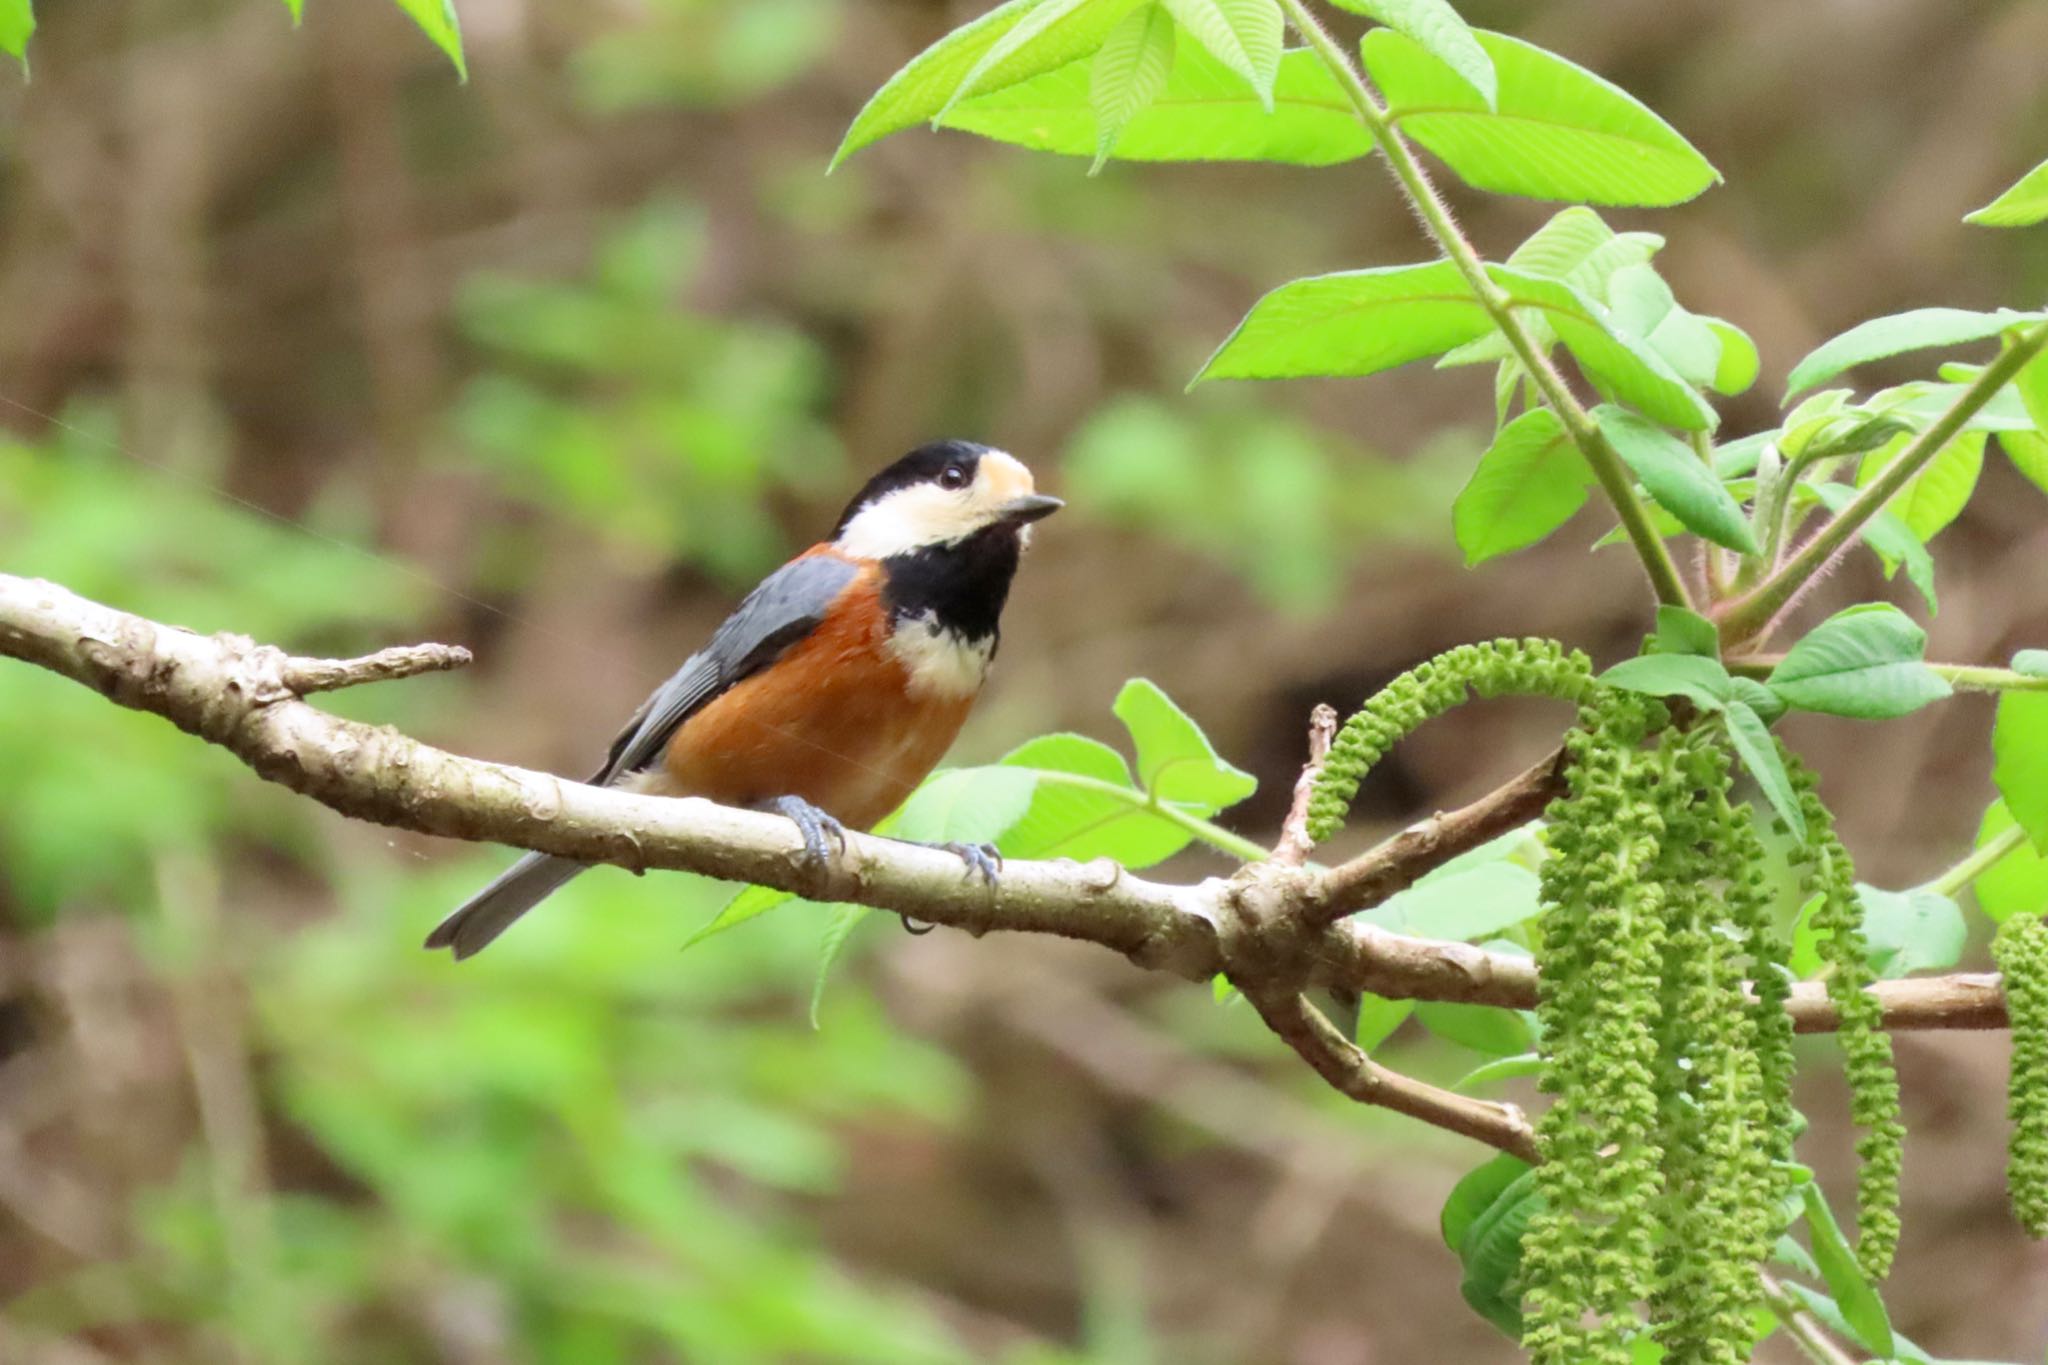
(1351, 1072)
(307, 676)
(1295, 844)
(1396, 864)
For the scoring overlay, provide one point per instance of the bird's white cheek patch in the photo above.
(941, 662)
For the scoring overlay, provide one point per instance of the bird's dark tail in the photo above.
(490, 912)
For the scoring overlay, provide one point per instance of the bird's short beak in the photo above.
(1030, 507)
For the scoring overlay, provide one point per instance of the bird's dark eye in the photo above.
(954, 476)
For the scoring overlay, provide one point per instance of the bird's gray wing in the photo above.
(787, 606)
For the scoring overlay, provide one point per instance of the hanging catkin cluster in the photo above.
(1866, 1047)
(2021, 951)
(1672, 1081)
(1494, 668)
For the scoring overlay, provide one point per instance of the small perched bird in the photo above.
(838, 683)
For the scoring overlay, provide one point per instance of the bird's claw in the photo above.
(983, 860)
(818, 829)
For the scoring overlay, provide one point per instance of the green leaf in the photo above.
(1076, 821)
(1483, 1028)
(967, 805)
(1035, 43)
(1378, 1017)
(2029, 454)
(2016, 884)
(1701, 681)
(838, 933)
(928, 82)
(1556, 130)
(1888, 336)
(1680, 631)
(1436, 28)
(1204, 113)
(1862, 1310)
(1642, 305)
(2019, 748)
(1491, 1251)
(1528, 483)
(1242, 34)
(1471, 902)
(1864, 662)
(2025, 204)
(1500, 1069)
(1759, 754)
(1354, 322)
(1577, 247)
(437, 20)
(1176, 762)
(1676, 477)
(1891, 539)
(297, 8)
(1768, 705)
(1620, 366)
(1936, 495)
(2031, 384)
(2033, 663)
(1739, 364)
(1910, 931)
(18, 22)
(1128, 74)
(1476, 1192)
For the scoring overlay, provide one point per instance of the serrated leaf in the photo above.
(1936, 495)
(1490, 1249)
(1864, 662)
(2016, 884)
(1033, 44)
(1528, 483)
(1862, 1310)
(2019, 748)
(838, 933)
(18, 24)
(1675, 476)
(438, 21)
(1759, 754)
(1478, 1190)
(1128, 74)
(749, 902)
(927, 83)
(1682, 631)
(1620, 366)
(1891, 539)
(2023, 205)
(1080, 821)
(1768, 705)
(1438, 30)
(1556, 130)
(1203, 113)
(2029, 455)
(1176, 762)
(1244, 35)
(1910, 931)
(1918, 330)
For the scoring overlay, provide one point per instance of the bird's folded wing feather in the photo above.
(786, 607)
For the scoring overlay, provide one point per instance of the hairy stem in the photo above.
(1751, 615)
(1615, 479)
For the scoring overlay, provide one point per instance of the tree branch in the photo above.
(1270, 928)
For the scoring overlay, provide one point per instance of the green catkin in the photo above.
(1492, 668)
(1590, 1257)
(2021, 951)
(1866, 1047)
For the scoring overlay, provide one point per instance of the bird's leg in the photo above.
(816, 826)
(983, 860)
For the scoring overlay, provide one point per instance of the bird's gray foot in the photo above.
(819, 829)
(983, 860)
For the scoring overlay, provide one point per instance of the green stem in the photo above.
(1814, 1343)
(1236, 845)
(1970, 678)
(1975, 866)
(1751, 616)
(1613, 475)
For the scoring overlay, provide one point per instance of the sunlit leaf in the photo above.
(1862, 1310)
(1891, 539)
(1936, 495)
(1437, 29)
(1556, 130)
(1878, 338)
(1204, 113)
(1354, 322)
(2024, 204)
(1910, 931)
(1128, 74)
(1176, 762)
(2019, 748)
(437, 20)
(2016, 884)
(1244, 35)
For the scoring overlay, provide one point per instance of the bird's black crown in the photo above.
(926, 464)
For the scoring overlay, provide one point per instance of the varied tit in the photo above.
(839, 682)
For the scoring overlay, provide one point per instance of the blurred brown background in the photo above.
(299, 336)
